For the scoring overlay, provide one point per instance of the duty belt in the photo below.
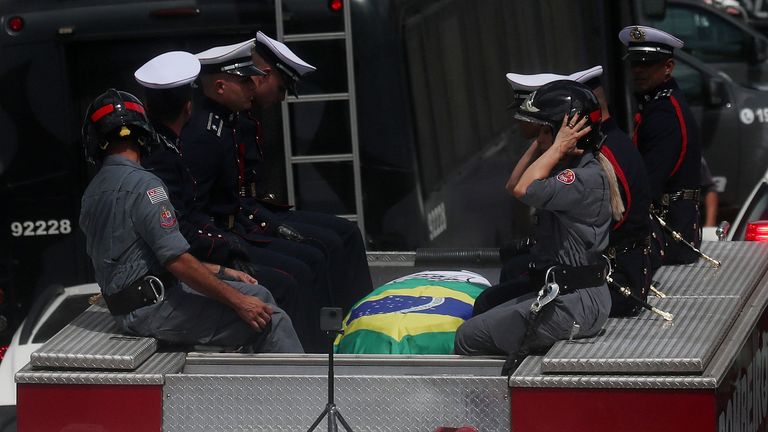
(685, 194)
(224, 221)
(571, 278)
(627, 246)
(145, 291)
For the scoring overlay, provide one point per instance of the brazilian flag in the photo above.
(416, 314)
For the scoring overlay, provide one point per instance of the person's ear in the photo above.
(669, 66)
(188, 109)
(261, 79)
(219, 86)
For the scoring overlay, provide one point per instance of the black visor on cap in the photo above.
(243, 69)
(647, 53)
(240, 67)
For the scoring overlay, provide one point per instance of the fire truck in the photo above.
(705, 370)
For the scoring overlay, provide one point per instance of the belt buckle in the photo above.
(157, 288)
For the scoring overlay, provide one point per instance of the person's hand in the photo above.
(241, 276)
(571, 131)
(254, 312)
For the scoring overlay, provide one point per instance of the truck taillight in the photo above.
(757, 231)
(3, 349)
(15, 24)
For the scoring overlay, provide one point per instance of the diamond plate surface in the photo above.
(369, 403)
(529, 375)
(742, 266)
(93, 341)
(152, 371)
(391, 258)
(705, 302)
(648, 344)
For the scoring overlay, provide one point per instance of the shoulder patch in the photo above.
(157, 194)
(167, 218)
(566, 176)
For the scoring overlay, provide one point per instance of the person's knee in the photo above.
(254, 290)
(466, 335)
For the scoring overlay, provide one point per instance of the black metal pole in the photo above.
(330, 368)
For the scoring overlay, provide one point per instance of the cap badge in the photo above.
(528, 103)
(637, 34)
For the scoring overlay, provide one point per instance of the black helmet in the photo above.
(551, 102)
(114, 114)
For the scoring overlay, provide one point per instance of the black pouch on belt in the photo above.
(146, 290)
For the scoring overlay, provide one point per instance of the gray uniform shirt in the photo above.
(129, 224)
(573, 217)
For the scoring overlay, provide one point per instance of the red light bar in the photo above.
(16, 24)
(336, 5)
(757, 231)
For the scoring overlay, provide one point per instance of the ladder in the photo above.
(354, 156)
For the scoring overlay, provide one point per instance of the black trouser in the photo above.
(681, 216)
(340, 241)
(502, 293)
(632, 269)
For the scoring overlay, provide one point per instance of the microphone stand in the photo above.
(331, 410)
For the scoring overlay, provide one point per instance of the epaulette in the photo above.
(215, 124)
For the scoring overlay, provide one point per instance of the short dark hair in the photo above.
(165, 105)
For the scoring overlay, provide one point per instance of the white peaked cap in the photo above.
(168, 70)
(282, 56)
(647, 44)
(233, 59)
(532, 82)
(643, 34)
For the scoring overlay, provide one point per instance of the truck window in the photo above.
(706, 35)
(690, 82)
(716, 40)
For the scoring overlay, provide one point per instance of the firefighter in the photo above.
(629, 239)
(666, 135)
(151, 284)
(565, 181)
(338, 237)
(167, 80)
(211, 152)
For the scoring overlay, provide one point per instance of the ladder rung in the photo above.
(319, 97)
(305, 37)
(343, 157)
